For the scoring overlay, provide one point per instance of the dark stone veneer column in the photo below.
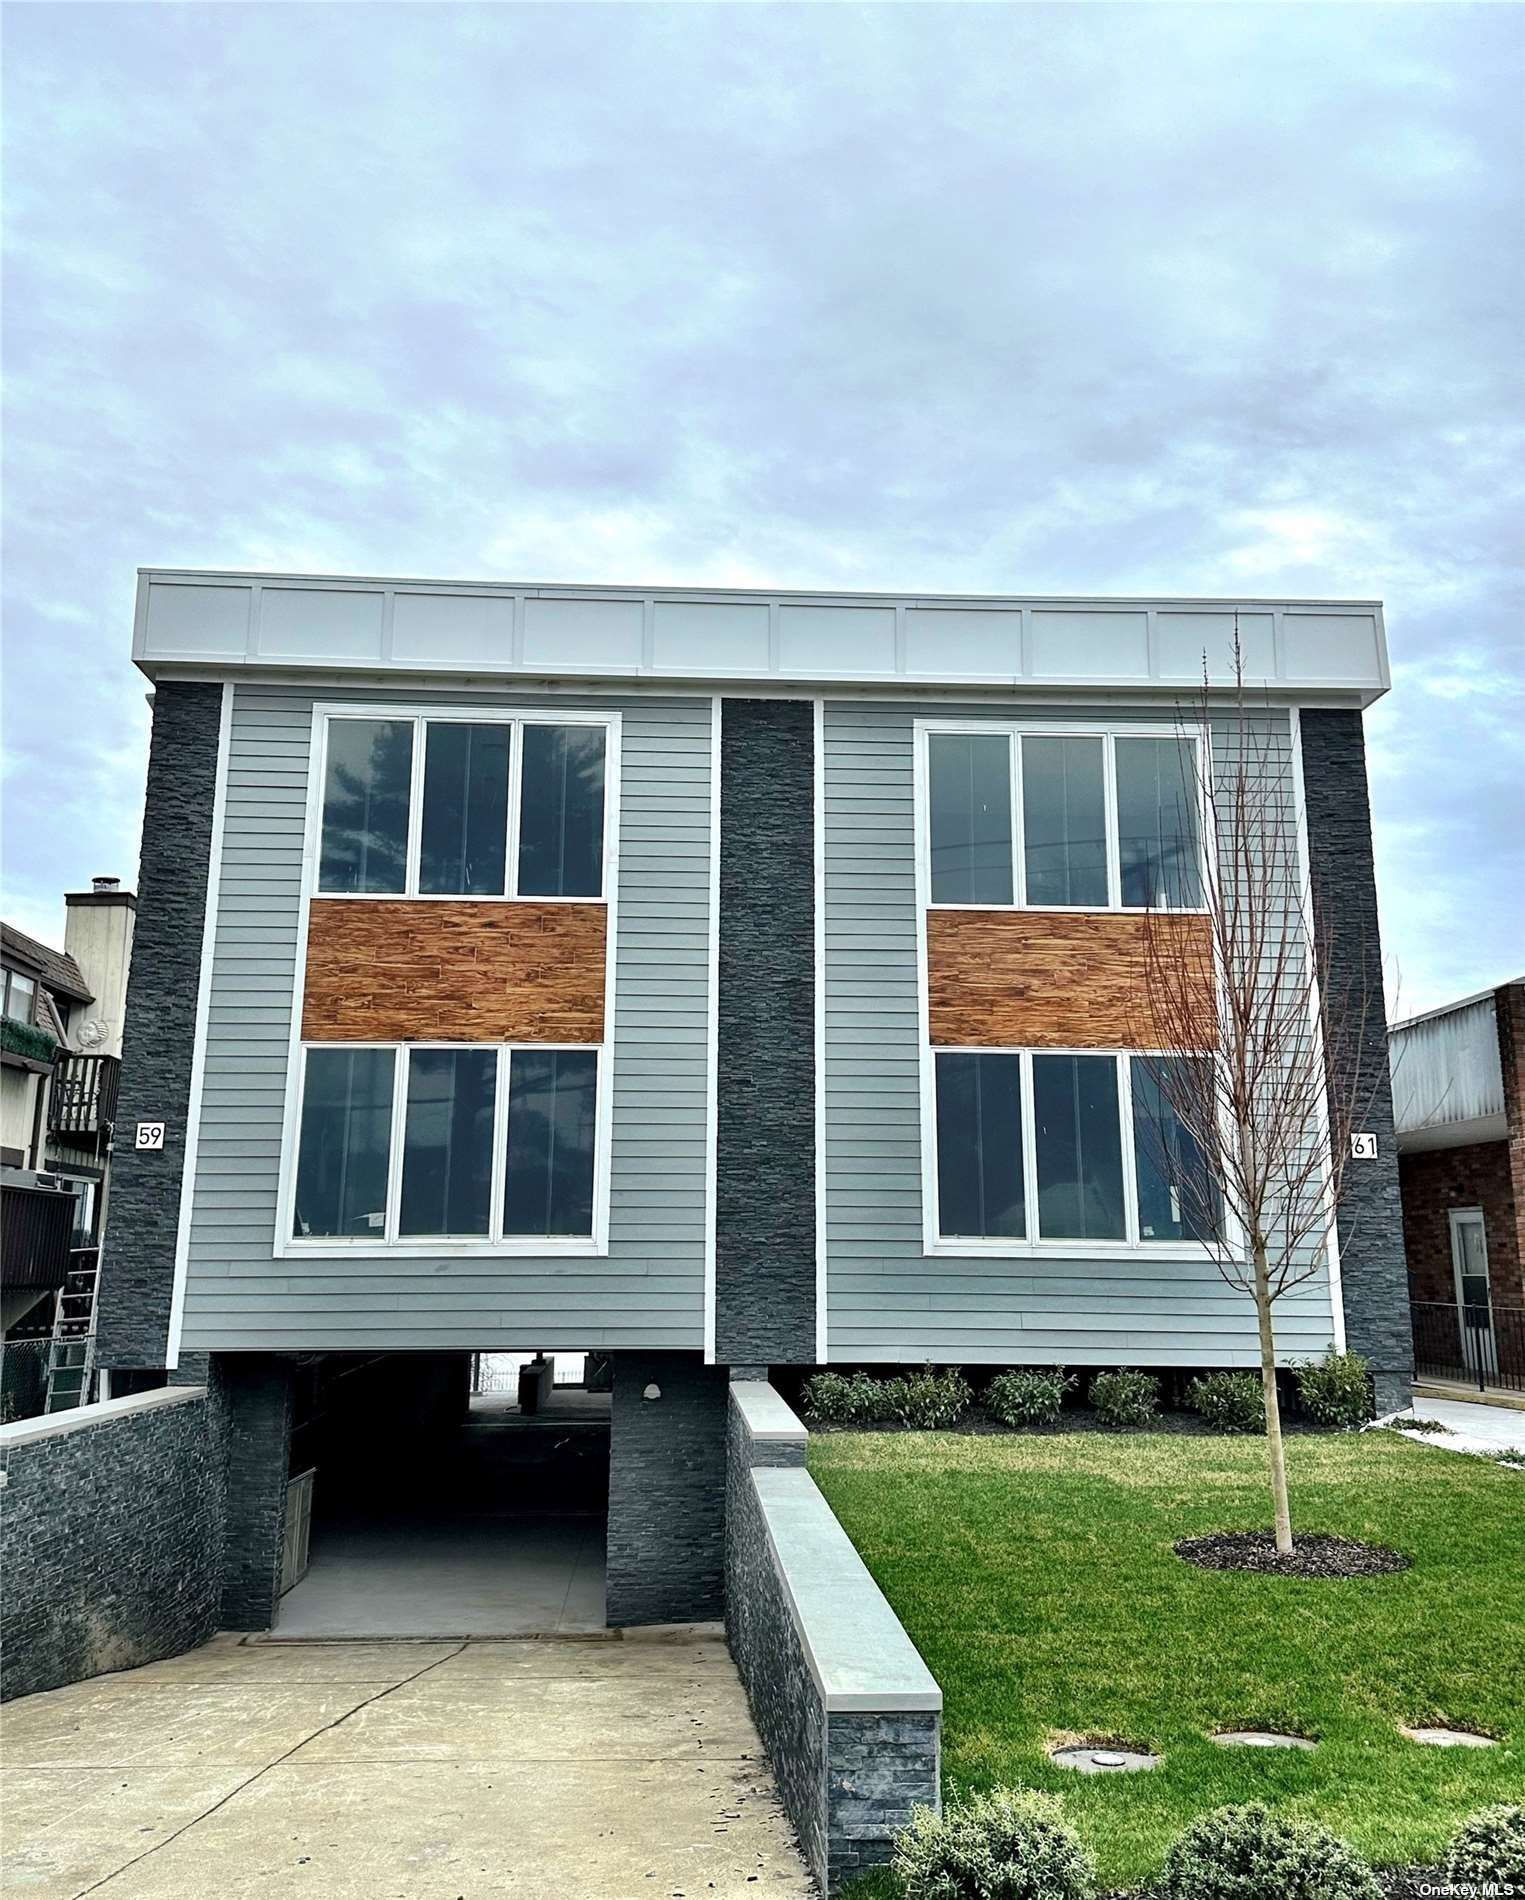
(1372, 1267)
(765, 1164)
(138, 1253)
(666, 1535)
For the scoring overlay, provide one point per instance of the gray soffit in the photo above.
(1335, 651)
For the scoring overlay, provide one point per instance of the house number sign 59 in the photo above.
(1363, 1147)
(150, 1135)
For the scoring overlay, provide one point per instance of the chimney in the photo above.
(99, 884)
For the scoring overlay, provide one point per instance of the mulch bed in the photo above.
(1314, 1554)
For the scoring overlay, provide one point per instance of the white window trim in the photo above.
(1014, 731)
(290, 1245)
(1035, 1246)
(284, 1244)
(421, 717)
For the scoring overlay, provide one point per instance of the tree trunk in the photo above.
(1275, 1451)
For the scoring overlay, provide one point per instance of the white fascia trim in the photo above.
(1305, 905)
(712, 1040)
(199, 1037)
(822, 1277)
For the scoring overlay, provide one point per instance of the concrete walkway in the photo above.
(540, 1770)
(1471, 1426)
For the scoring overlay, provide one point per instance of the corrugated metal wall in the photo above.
(887, 1300)
(1447, 1068)
(649, 1290)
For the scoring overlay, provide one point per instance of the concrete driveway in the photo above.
(555, 1769)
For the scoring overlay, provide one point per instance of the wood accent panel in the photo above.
(454, 971)
(1054, 980)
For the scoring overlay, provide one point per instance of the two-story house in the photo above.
(708, 979)
(60, 1049)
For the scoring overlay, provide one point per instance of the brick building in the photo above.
(1459, 1105)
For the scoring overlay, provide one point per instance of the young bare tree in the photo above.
(1241, 1111)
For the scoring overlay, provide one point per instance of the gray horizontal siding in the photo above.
(887, 1300)
(649, 1291)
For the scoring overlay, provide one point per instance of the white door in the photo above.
(1469, 1264)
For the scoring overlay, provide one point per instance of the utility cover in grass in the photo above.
(1448, 1737)
(1315, 1554)
(1104, 1758)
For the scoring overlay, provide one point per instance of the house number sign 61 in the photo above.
(150, 1135)
(1363, 1147)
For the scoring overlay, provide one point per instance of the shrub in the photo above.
(836, 1398)
(1251, 1854)
(1229, 1401)
(1488, 1847)
(1033, 1397)
(27, 1039)
(929, 1401)
(1125, 1398)
(1011, 1844)
(1336, 1391)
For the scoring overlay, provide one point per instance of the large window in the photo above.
(430, 806)
(1063, 820)
(1178, 1199)
(416, 1146)
(1070, 1149)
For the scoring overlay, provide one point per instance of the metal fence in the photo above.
(1474, 1345)
(498, 1372)
(23, 1378)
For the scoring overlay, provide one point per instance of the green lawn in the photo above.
(1036, 1576)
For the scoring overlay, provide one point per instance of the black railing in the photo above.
(36, 1226)
(1474, 1345)
(82, 1100)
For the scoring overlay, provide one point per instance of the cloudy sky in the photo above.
(1026, 299)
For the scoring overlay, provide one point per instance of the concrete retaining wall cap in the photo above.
(29, 1431)
(858, 1653)
(765, 1414)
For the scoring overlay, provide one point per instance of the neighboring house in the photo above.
(60, 1051)
(713, 980)
(1459, 1100)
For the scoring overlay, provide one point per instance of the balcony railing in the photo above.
(36, 1225)
(1475, 1345)
(82, 1100)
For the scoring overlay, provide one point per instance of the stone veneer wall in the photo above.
(112, 1538)
(1372, 1270)
(849, 1772)
(765, 1239)
(142, 1219)
(666, 1534)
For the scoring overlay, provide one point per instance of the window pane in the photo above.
(447, 1142)
(345, 1143)
(20, 995)
(464, 843)
(979, 1145)
(1177, 1198)
(969, 779)
(1064, 825)
(1157, 830)
(551, 1098)
(365, 805)
(561, 816)
(1080, 1151)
